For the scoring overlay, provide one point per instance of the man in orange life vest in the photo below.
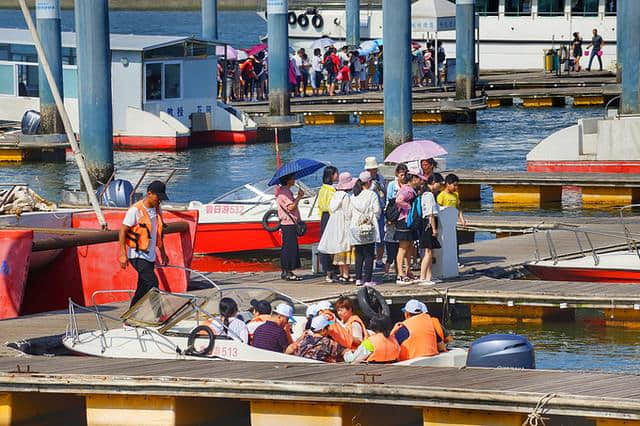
(417, 335)
(140, 234)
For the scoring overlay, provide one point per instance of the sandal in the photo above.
(343, 280)
(293, 277)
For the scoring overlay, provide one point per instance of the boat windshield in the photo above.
(258, 193)
(158, 308)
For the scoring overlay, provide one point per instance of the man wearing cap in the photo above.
(140, 234)
(378, 186)
(316, 343)
(271, 335)
(417, 335)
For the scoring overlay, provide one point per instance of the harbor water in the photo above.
(500, 141)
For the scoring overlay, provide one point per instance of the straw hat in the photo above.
(370, 163)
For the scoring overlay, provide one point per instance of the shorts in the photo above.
(403, 233)
(392, 251)
(331, 77)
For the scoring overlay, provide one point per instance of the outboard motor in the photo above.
(117, 194)
(501, 350)
(30, 124)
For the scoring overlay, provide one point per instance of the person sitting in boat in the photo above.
(317, 343)
(312, 312)
(416, 334)
(261, 311)
(353, 323)
(380, 347)
(228, 323)
(271, 335)
(337, 330)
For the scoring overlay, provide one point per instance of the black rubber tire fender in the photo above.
(372, 303)
(317, 21)
(303, 20)
(266, 221)
(292, 18)
(191, 340)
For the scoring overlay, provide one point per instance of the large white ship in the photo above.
(512, 33)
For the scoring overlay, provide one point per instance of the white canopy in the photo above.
(432, 16)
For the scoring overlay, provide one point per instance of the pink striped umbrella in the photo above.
(254, 50)
(415, 151)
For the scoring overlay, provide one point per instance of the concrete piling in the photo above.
(353, 23)
(398, 127)
(465, 49)
(94, 87)
(278, 36)
(48, 24)
(620, 40)
(628, 16)
(209, 19)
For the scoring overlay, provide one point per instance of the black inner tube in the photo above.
(372, 303)
(195, 333)
(268, 224)
(303, 21)
(317, 21)
(292, 18)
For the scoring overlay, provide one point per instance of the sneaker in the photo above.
(425, 282)
(370, 284)
(358, 283)
(403, 280)
(328, 279)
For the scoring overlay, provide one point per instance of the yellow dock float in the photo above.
(580, 101)
(17, 148)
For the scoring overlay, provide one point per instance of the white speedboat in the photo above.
(170, 326)
(246, 218)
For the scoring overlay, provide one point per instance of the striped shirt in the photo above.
(270, 336)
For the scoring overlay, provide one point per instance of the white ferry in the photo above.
(163, 90)
(512, 33)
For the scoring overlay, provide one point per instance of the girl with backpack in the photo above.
(404, 234)
(390, 243)
(365, 210)
(429, 235)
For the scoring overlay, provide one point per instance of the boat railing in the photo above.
(585, 246)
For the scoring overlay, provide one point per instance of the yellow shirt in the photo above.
(324, 198)
(448, 199)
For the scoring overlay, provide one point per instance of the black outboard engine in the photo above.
(30, 124)
(501, 350)
(117, 194)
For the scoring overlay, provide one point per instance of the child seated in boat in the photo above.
(353, 323)
(261, 311)
(379, 347)
(316, 343)
(228, 323)
(337, 329)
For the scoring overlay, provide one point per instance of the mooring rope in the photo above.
(535, 417)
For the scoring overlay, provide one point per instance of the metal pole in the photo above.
(94, 86)
(353, 23)
(278, 36)
(398, 127)
(84, 175)
(629, 16)
(465, 49)
(209, 10)
(48, 24)
(437, 76)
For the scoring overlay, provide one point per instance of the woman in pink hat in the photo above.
(335, 239)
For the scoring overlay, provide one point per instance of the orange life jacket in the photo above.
(139, 235)
(338, 332)
(438, 328)
(349, 326)
(422, 337)
(385, 349)
(260, 318)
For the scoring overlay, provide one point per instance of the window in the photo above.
(23, 53)
(70, 83)
(6, 80)
(610, 7)
(487, 7)
(551, 7)
(28, 81)
(69, 56)
(584, 7)
(517, 7)
(153, 82)
(171, 81)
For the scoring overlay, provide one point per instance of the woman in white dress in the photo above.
(335, 239)
(365, 211)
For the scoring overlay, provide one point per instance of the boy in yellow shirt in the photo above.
(449, 196)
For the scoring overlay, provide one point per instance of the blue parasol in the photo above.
(299, 168)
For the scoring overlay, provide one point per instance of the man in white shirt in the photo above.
(297, 67)
(343, 55)
(139, 236)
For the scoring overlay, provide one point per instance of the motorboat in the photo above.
(166, 325)
(246, 218)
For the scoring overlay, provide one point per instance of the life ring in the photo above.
(317, 21)
(372, 303)
(303, 21)
(292, 18)
(267, 224)
(195, 333)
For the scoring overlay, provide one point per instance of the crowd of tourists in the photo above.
(334, 333)
(328, 71)
(362, 218)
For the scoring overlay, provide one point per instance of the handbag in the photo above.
(301, 227)
(365, 229)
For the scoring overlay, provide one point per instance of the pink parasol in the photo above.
(254, 50)
(415, 151)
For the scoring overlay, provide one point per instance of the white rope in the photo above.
(535, 417)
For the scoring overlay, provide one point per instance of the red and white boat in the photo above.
(615, 267)
(246, 219)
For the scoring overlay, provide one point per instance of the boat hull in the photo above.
(221, 137)
(550, 273)
(584, 166)
(15, 252)
(150, 143)
(245, 236)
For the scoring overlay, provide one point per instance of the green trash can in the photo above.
(556, 60)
